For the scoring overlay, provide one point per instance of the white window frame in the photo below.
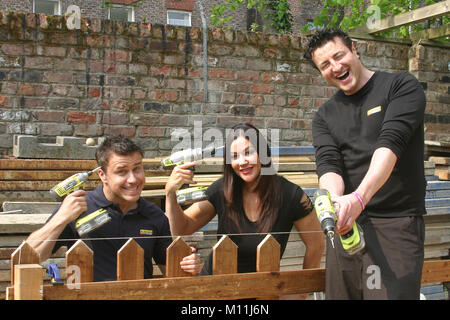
(129, 9)
(58, 6)
(188, 13)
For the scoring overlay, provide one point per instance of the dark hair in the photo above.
(116, 144)
(321, 37)
(268, 188)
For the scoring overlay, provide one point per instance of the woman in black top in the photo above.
(250, 198)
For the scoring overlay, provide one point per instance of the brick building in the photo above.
(177, 12)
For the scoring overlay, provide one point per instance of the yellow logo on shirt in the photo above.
(373, 110)
(144, 232)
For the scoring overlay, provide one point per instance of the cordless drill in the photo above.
(353, 241)
(75, 182)
(186, 195)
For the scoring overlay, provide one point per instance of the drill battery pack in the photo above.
(191, 195)
(92, 221)
(353, 241)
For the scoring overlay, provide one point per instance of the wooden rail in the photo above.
(225, 283)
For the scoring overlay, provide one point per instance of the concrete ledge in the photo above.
(64, 148)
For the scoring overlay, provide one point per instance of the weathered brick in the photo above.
(81, 117)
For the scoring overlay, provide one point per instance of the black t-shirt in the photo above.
(387, 111)
(143, 224)
(291, 210)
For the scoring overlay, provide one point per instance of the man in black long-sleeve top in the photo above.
(369, 141)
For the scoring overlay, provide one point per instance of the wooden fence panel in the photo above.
(177, 250)
(224, 256)
(24, 254)
(81, 255)
(130, 261)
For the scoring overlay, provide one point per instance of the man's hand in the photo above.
(192, 263)
(72, 206)
(348, 208)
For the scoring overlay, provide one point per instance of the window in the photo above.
(52, 7)
(179, 18)
(121, 13)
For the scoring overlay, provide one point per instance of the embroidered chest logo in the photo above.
(145, 232)
(373, 110)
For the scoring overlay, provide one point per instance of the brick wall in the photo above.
(145, 81)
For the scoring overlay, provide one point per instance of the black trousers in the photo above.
(390, 266)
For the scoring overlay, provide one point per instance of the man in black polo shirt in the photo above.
(123, 180)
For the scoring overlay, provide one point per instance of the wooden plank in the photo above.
(440, 160)
(430, 34)
(81, 256)
(418, 15)
(38, 185)
(24, 254)
(26, 175)
(436, 271)
(224, 256)
(228, 286)
(21, 223)
(46, 164)
(176, 251)
(27, 282)
(130, 261)
(268, 255)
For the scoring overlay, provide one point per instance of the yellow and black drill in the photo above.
(75, 182)
(353, 241)
(186, 195)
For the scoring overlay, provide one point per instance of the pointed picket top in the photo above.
(24, 254)
(224, 256)
(268, 255)
(130, 261)
(80, 258)
(175, 252)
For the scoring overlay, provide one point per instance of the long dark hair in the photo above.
(268, 188)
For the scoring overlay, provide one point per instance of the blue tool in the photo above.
(53, 272)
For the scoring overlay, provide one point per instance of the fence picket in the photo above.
(81, 255)
(268, 255)
(177, 250)
(224, 256)
(24, 254)
(130, 261)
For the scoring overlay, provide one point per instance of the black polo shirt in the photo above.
(144, 224)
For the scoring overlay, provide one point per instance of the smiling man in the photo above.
(369, 142)
(123, 179)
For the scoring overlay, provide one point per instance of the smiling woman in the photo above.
(250, 200)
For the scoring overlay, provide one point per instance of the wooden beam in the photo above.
(229, 286)
(81, 256)
(175, 252)
(130, 261)
(430, 34)
(428, 12)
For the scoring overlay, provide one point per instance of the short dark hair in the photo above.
(321, 37)
(116, 144)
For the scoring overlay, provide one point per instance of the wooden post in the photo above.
(24, 254)
(27, 282)
(80, 261)
(177, 250)
(268, 255)
(130, 261)
(225, 256)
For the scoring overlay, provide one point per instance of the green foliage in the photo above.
(277, 11)
(348, 14)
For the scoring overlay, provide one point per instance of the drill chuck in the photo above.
(353, 241)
